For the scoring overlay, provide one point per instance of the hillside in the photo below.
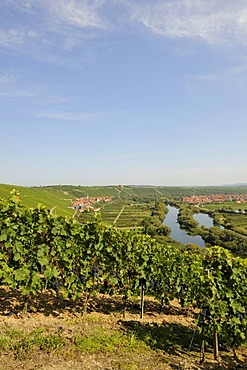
(59, 197)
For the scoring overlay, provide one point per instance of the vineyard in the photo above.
(42, 253)
(61, 196)
(120, 213)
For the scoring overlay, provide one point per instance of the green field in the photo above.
(232, 212)
(120, 213)
(133, 214)
(226, 205)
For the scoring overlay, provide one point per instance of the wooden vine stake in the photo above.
(216, 346)
(87, 296)
(202, 347)
(125, 305)
(142, 301)
(161, 305)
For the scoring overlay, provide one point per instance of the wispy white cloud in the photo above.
(208, 77)
(7, 78)
(19, 39)
(49, 27)
(11, 37)
(68, 18)
(214, 21)
(76, 117)
(79, 13)
(76, 13)
(46, 28)
(60, 116)
(236, 74)
(14, 95)
(238, 70)
(23, 5)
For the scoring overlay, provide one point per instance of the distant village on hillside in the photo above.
(198, 199)
(88, 204)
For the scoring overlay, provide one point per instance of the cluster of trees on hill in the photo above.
(153, 225)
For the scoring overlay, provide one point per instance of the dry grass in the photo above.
(54, 334)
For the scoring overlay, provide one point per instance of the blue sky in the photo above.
(105, 92)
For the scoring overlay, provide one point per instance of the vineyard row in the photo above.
(39, 251)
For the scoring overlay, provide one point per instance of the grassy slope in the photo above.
(54, 334)
(31, 197)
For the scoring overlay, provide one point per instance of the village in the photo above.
(88, 204)
(219, 198)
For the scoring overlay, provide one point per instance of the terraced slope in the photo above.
(59, 197)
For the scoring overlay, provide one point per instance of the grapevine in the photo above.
(39, 251)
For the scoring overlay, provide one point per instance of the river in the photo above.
(203, 219)
(179, 234)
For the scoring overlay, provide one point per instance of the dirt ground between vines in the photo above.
(55, 334)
